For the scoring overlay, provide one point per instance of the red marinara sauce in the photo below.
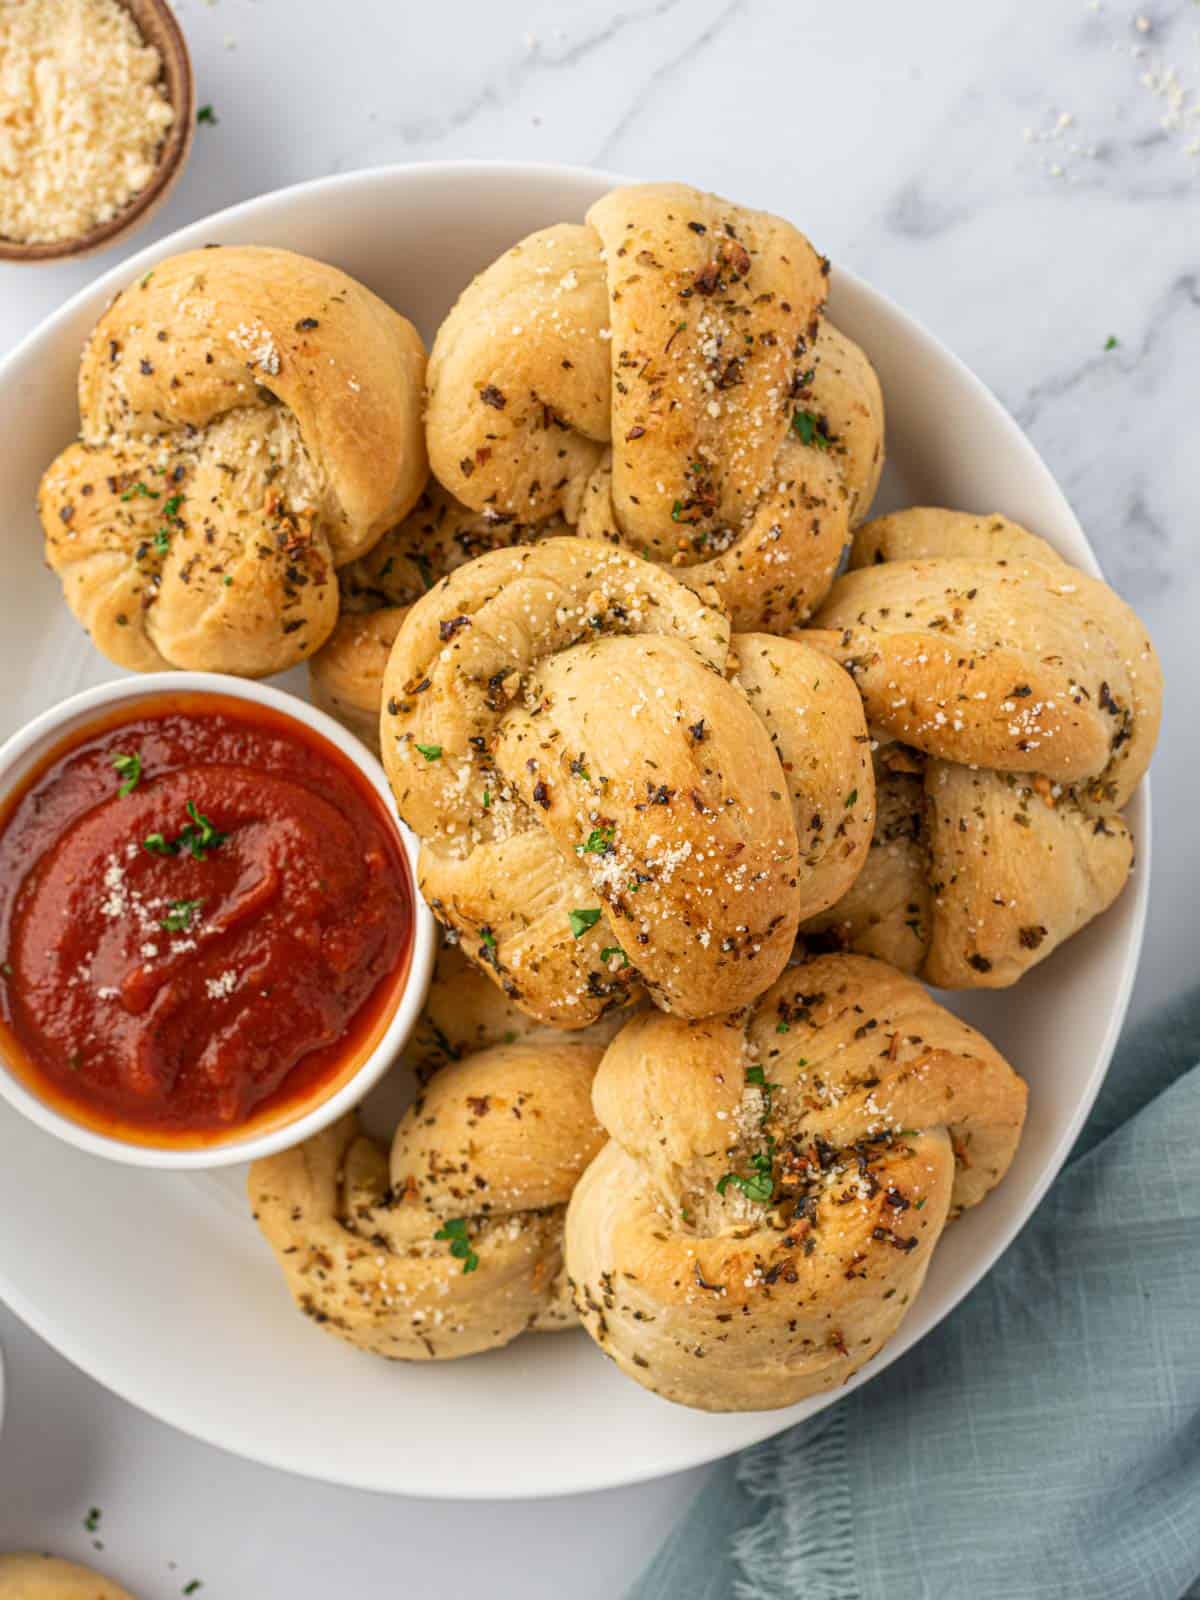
(205, 920)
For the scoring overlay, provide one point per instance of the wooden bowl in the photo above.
(157, 24)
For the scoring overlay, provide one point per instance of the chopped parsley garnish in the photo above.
(812, 430)
(488, 937)
(431, 752)
(207, 114)
(179, 918)
(851, 798)
(129, 769)
(599, 842)
(199, 835)
(196, 837)
(171, 507)
(139, 487)
(611, 950)
(162, 541)
(581, 921)
(487, 799)
(1112, 342)
(757, 1184)
(92, 1521)
(460, 1243)
(190, 1588)
(783, 1027)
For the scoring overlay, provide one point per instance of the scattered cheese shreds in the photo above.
(82, 116)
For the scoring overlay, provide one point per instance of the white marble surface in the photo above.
(896, 135)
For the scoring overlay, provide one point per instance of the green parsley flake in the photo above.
(199, 835)
(92, 1521)
(171, 507)
(162, 541)
(1112, 342)
(611, 950)
(599, 843)
(759, 1183)
(812, 430)
(488, 937)
(129, 768)
(851, 798)
(460, 1242)
(581, 921)
(487, 799)
(783, 1027)
(431, 752)
(179, 917)
(190, 1588)
(207, 114)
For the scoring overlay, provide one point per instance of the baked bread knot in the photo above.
(775, 1182)
(663, 376)
(612, 792)
(1017, 703)
(251, 420)
(454, 1244)
(438, 535)
(30, 1575)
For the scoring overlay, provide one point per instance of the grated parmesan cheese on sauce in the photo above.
(82, 115)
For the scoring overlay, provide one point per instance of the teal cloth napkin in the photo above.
(1043, 1441)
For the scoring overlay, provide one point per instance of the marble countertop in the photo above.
(1023, 178)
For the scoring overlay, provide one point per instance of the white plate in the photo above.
(159, 1285)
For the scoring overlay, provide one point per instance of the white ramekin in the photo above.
(22, 753)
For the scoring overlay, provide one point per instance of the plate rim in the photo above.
(760, 1424)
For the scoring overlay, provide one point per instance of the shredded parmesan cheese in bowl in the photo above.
(83, 115)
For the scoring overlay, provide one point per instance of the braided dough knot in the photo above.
(251, 420)
(611, 790)
(662, 376)
(775, 1182)
(1023, 698)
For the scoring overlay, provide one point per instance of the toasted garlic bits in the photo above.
(613, 792)
(663, 377)
(82, 116)
(775, 1182)
(1018, 703)
(250, 422)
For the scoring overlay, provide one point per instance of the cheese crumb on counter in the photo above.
(83, 113)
